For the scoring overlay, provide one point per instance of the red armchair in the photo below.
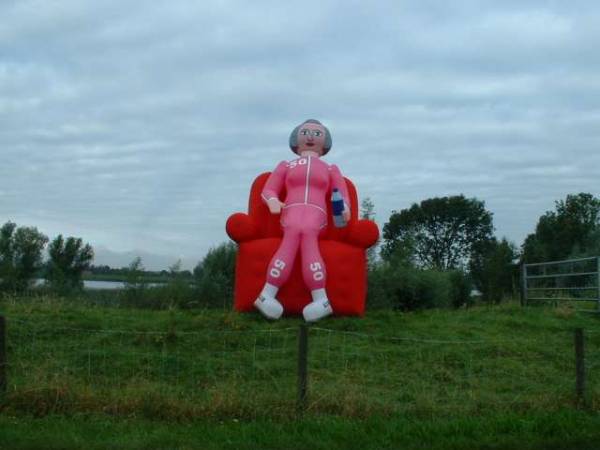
(259, 234)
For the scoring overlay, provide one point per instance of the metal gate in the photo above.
(572, 281)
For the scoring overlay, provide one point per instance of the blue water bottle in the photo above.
(337, 207)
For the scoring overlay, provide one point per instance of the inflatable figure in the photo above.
(308, 180)
(304, 208)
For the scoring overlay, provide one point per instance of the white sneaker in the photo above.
(269, 307)
(317, 310)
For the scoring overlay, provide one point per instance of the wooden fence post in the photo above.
(302, 367)
(3, 361)
(579, 366)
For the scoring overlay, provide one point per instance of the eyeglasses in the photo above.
(315, 133)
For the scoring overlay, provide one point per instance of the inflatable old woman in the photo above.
(302, 248)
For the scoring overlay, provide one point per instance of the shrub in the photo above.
(407, 288)
(215, 276)
(494, 271)
(135, 285)
(138, 293)
(460, 289)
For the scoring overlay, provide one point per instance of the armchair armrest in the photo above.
(240, 227)
(362, 233)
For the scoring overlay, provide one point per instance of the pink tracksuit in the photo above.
(308, 181)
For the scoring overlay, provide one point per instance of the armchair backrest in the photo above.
(269, 223)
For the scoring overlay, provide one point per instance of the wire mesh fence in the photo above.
(172, 373)
(250, 373)
(411, 375)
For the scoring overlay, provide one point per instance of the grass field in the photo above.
(487, 377)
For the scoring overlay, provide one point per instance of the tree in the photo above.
(438, 233)
(68, 260)
(571, 229)
(215, 275)
(20, 256)
(367, 211)
(591, 249)
(494, 269)
(135, 283)
(7, 266)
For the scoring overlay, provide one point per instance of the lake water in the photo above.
(92, 284)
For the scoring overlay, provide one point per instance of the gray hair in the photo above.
(294, 136)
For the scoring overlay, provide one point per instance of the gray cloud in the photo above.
(143, 129)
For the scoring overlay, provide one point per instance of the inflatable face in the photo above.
(313, 129)
(311, 137)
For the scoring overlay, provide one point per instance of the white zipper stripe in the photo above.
(307, 176)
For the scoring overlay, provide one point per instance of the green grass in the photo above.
(117, 377)
(559, 430)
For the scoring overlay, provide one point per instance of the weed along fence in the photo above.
(282, 371)
(573, 281)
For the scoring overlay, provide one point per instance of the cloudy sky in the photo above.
(141, 129)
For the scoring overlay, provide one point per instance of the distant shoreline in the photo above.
(123, 278)
(105, 284)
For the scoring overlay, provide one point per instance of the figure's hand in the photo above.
(275, 205)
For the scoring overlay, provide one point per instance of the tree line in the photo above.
(22, 251)
(454, 237)
(431, 254)
(107, 273)
(21, 259)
